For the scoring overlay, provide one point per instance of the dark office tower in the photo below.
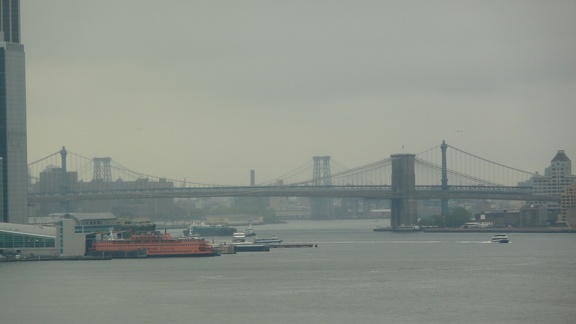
(13, 148)
(11, 20)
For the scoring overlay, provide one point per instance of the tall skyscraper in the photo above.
(13, 143)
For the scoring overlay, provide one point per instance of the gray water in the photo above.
(355, 275)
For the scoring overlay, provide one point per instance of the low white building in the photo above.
(58, 240)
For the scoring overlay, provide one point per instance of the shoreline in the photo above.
(53, 258)
(501, 230)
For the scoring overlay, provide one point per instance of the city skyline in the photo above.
(210, 91)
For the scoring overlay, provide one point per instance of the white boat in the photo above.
(271, 240)
(238, 237)
(500, 238)
(406, 228)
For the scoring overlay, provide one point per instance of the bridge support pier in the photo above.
(404, 208)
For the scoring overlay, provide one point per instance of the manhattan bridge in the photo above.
(440, 173)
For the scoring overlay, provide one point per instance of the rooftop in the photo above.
(561, 156)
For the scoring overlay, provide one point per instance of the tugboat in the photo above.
(249, 231)
(500, 238)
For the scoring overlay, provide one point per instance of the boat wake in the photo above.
(383, 242)
(473, 242)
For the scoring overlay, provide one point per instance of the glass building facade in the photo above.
(13, 141)
(10, 20)
(15, 240)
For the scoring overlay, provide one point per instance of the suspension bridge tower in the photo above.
(444, 181)
(403, 208)
(102, 169)
(322, 208)
(64, 185)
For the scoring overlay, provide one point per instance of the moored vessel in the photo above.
(272, 240)
(249, 247)
(399, 228)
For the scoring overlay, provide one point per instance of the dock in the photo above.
(292, 245)
(232, 248)
(251, 248)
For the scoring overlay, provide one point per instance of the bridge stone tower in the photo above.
(322, 208)
(403, 208)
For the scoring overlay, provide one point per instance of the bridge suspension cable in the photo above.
(307, 166)
(495, 163)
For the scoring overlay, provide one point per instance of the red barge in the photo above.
(152, 245)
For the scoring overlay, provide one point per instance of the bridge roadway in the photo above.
(351, 191)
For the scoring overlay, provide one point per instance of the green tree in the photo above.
(435, 220)
(457, 217)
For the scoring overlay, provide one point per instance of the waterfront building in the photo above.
(557, 177)
(26, 240)
(525, 216)
(568, 206)
(13, 144)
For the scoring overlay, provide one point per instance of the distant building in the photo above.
(526, 216)
(533, 216)
(234, 219)
(52, 180)
(557, 177)
(13, 143)
(499, 219)
(293, 212)
(568, 205)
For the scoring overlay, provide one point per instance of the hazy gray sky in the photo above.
(209, 90)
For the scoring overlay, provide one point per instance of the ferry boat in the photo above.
(239, 237)
(152, 245)
(500, 238)
(209, 230)
(272, 240)
(406, 228)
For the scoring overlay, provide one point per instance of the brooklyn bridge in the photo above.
(440, 173)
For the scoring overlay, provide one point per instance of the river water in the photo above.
(355, 275)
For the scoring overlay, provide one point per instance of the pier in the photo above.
(292, 245)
